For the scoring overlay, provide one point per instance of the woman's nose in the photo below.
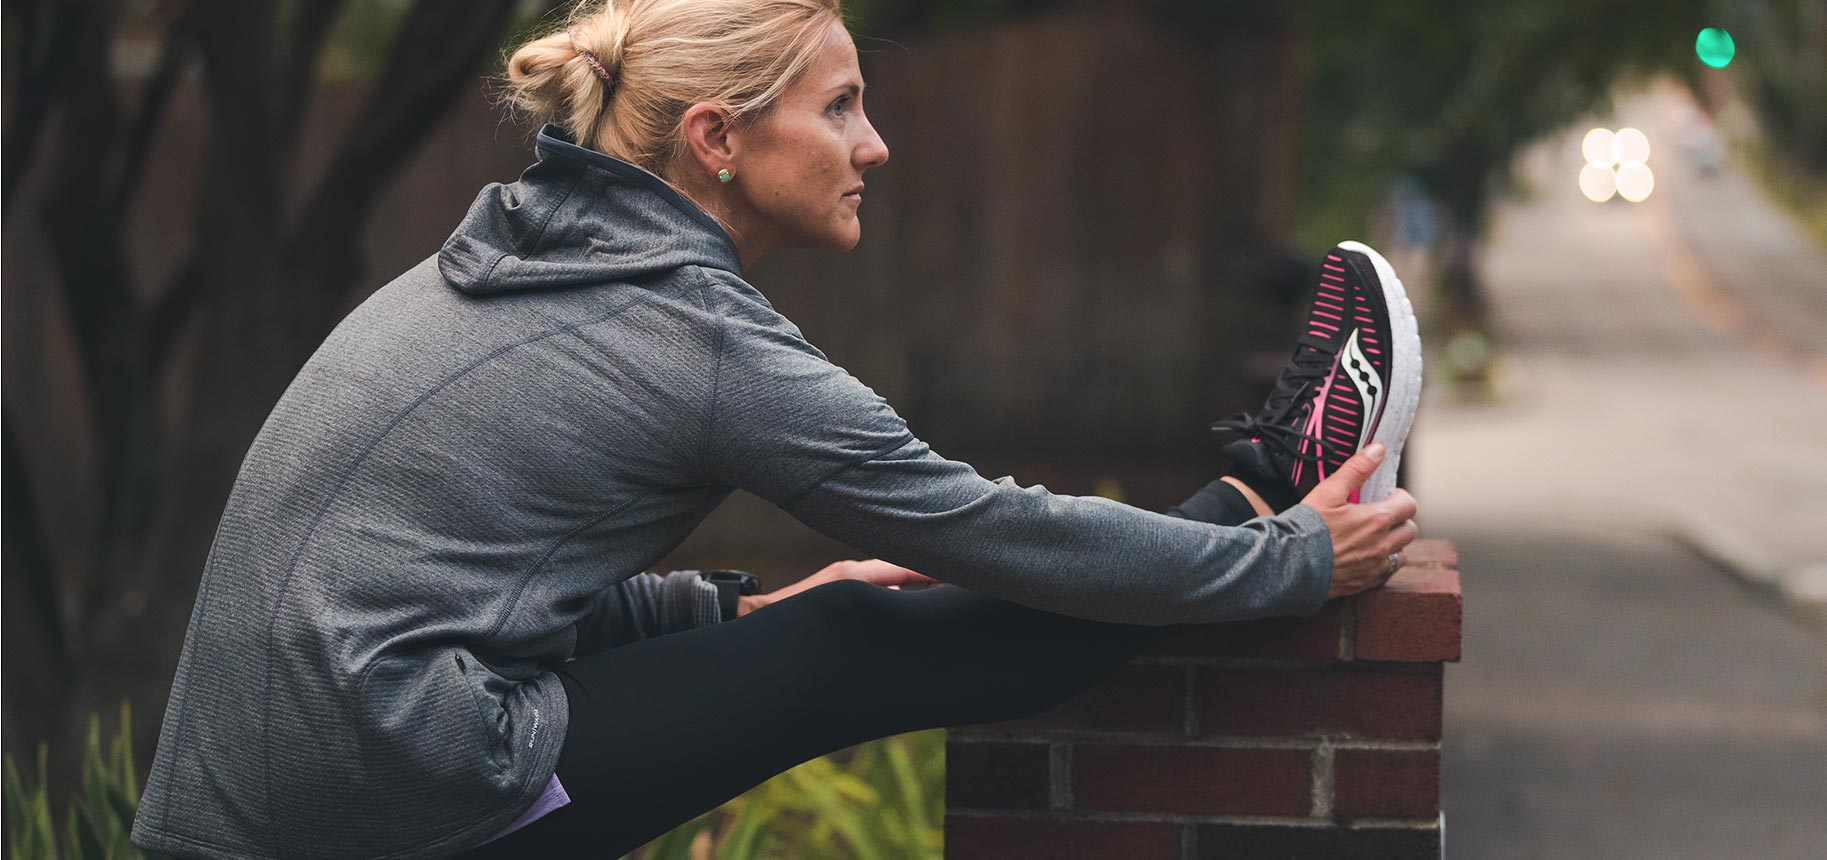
(874, 151)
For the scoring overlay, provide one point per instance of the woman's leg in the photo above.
(664, 729)
(1256, 502)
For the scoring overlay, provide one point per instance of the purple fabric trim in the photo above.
(552, 798)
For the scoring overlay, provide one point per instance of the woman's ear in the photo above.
(709, 134)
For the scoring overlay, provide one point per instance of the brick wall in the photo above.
(1284, 738)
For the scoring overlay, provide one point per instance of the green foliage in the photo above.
(883, 800)
(361, 40)
(1781, 72)
(1781, 67)
(1450, 92)
(98, 822)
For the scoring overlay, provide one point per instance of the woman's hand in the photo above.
(873, 570)
(1363, 535)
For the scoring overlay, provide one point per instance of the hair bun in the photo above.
(619, 74)
(600, 40)
(589, 58)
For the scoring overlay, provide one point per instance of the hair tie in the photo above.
(589, 58)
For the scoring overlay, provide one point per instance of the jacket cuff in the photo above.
(687, 601)
(1313, 542)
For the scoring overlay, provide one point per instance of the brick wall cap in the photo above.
(1422, 580)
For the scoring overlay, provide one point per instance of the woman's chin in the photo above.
(847, 234)
(841, 235)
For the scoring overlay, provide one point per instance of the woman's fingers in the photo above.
(1404, 534)
(887, 574)
(1389, 571)
(1364, 538)
(1351, 474)
(1400, 505)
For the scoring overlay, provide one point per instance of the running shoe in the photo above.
(1354, 379)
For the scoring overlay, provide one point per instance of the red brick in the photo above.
(1278, 842)
(1315, 638)
(1386, 783)
(1357, 703)
(1191, 780)
(1135, 699)
(971, 838)
(985, 775)
(1434, 552)
(1415, 617)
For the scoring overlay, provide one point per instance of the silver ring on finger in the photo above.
(1395, 563)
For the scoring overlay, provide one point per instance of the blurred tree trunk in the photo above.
(253, 299)
(1465, 187)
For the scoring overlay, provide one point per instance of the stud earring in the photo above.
(723, 175)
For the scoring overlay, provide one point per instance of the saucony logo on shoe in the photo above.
(1364, 378)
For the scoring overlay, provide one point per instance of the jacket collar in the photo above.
(577, 218)
(553, 140)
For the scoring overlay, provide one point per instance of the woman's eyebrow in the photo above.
(850, 87)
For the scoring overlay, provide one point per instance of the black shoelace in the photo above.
(1275, 423)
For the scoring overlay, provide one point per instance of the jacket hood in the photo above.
(578, 217)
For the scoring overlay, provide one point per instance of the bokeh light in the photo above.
(1599, 147)
(1631, 146)
(1635, 182)
(1598, 183)
(1715, 47)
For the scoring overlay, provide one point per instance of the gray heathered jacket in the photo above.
(463, 486)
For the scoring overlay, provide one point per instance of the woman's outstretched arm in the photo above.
(1083, 556)
(801, 432)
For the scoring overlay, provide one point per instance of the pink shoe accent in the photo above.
(1315, 427)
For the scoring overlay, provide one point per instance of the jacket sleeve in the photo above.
(646, 605)
(801, 432)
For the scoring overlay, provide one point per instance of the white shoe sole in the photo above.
(1405, 376)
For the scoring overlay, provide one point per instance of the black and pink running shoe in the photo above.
(1354, 379)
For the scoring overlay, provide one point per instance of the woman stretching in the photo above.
(424, 628)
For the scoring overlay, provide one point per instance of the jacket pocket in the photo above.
(430, 751)
(488, 690)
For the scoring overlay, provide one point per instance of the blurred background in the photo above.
(1094, 238)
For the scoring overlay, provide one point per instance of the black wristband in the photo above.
(731, 584)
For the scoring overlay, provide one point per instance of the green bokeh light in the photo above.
(1715, 47)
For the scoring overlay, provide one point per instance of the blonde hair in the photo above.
(655, 58)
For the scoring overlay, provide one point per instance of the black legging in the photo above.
(665, 729)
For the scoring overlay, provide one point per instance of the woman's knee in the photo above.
(848, 610)
(842, 597)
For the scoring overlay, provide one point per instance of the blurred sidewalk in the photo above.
(1664, 364)
(1619, 697)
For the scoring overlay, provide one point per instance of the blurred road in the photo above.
(1662, 419)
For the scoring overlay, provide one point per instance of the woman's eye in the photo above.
(839, 104)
